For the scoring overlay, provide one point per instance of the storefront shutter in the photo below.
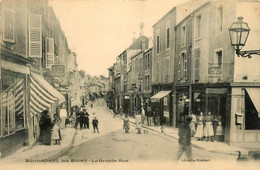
(49, 52)
(35, 36)
(8, 19)
(197, 64)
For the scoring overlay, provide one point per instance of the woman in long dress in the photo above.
(208, 129)
(219, 131)
(199, 131)
(138, 123)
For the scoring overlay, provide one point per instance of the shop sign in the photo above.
(58, 70)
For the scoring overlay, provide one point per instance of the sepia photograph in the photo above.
(129, 84)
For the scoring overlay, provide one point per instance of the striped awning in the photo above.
(43, 95)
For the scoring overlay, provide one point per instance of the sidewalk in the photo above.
(215, 147)
(42, 151)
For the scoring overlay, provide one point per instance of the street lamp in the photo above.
(239, 32)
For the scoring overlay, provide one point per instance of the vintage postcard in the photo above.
(129, 84)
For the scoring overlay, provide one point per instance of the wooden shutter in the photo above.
(35, 36)
(197, 64)
(49, 52)
(8, 19)
(185, 66)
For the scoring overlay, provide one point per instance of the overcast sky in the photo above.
(99, 30)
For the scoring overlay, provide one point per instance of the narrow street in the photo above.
(113, 144)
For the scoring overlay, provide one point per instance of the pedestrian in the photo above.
(208, 129)
(95, 124)
(78, 118)
(149, 116)
(199, 130)
(138, 122)
(219, 130)
(185, 139)
(156, 119)
(73, 117)
(86, 118)
(63, 116)
(56, 135)
(142, 114)
(81, 118)
(126, 125)
(215, 125)
(192, 123)
(45, 125)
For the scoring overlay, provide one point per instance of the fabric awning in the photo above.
(160, 95)
(42, 94)
(254, 94)
(49, 88)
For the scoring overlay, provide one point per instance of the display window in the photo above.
(13, 102)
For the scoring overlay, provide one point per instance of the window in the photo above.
(13, 102)
(183, 36)
(252, 121)
(8, 21)
(148, 83)
(198, 26)
(218, 58)
(35, 36)
(157, 71)
(49, 52)
(220, 18)
(184, 66)
(168, 38)
(148, 62)
(157, 44)
(167, 63)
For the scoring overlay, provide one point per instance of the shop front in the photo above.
(161, 105)
(42, 97)
(182, 104)
(13, 117)
(245, 114)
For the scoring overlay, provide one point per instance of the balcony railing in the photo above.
(220, 72)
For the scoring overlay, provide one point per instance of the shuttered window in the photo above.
(197, 64)
(35, 36)
(183, 66)
(167, 63)
(8, 19)
(49, 52)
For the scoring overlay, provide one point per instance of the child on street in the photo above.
(95, 124)
(56, 132)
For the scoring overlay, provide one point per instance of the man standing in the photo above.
(149, 116)
(86, 119)
(63, 116)
(95, 124)
(185, 139)
(81, 118)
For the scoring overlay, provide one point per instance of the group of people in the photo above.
(139, 120)
(206, 127)
(82, 118)
(49, 130)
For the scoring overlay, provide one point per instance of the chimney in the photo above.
(150, 43)
(143, 46)
(141, 26)
(134, 38)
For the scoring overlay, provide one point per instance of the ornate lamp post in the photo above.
(239, 32)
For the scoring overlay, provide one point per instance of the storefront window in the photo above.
(252, 121)
(13, 102)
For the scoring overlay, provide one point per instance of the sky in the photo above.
(99, 30)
